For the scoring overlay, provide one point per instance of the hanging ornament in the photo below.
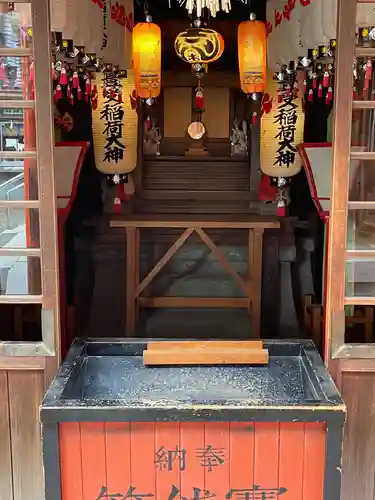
(199, 100)
(94, 98)
(214, 6)
(88, 85)
(254, 118)
(199, 45)
(63, 80)
(320, 91)
(75, 82)
(252, 55)
(355, 93)
(329, 96)
(326, 79)
(368, 73)
(304, 86)
(295, 90)
(58, 93)
(119, 97)
(79, 93)
(311, 96)
(147, 59)
(54, 75)
(280, 197)
(314, 82)
(148, 123)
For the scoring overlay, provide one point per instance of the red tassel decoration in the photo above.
(311, 96)
(58, 93)
(68, 92)
(254, 118)
(320, 91)
(79, 93)
(63, 77)
(326, 79)
(112, 93)
(304, 86)
(86, 97)
(364, 93)
(118, 197)
(31, 72)
(279, 96)
(315, 83)
(119, 97)
(75, 80)
(71, 99)
(88, 86)
(148, 123)
(280, 211)
(199, 100)
(54, 76)
(288, 91)
(368, 75)
(94, 103)
(54, 97)
(329, 96)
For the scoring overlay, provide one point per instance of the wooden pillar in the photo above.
(254, 155)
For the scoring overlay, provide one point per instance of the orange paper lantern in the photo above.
(252, 56)
(147, 59)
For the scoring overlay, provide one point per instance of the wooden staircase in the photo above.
(181, 184)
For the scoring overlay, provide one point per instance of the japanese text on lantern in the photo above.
(112, 113)
(208, 457)
(286, 120)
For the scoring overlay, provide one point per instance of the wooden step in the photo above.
(201, 195)
(191, 206)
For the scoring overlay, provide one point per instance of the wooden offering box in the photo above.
(115, 429)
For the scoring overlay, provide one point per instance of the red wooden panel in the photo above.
(117, 452)
(191, 440)
(214, 458)
(70, 461)
(266, 457)
(170, 459)
(241, 452)
(291, 454)
(314, 461)
(94, 477)
(142, 466)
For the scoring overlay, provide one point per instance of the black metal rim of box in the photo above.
(56, 409)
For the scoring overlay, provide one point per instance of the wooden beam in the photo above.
(164, 260)
(202, 357)
(194, 302)
(224, 262)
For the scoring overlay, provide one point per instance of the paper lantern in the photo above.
(281, 131)
(199, 45)
(147, 59)
(252, 56)
(115, 125)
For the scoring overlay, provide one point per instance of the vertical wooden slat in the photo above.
(170, 459)
(241, 446)
(26, 391)
(314, 461)
(6, 486)
(191, 440)
(216, 458)
(266, 466)
(94, 475)
(358, 471)
(291, 456)
(117, 445)
(70, 461)
(142, 442)
(336, 256)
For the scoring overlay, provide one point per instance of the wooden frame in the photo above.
(251, 286)
(47, 201)
(335, 347)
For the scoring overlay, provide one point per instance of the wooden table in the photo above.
(250, 286)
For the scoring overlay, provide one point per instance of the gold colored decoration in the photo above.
(252, 56)
(280, 136)
(199, 45)
(115, 126)
(147, 59)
